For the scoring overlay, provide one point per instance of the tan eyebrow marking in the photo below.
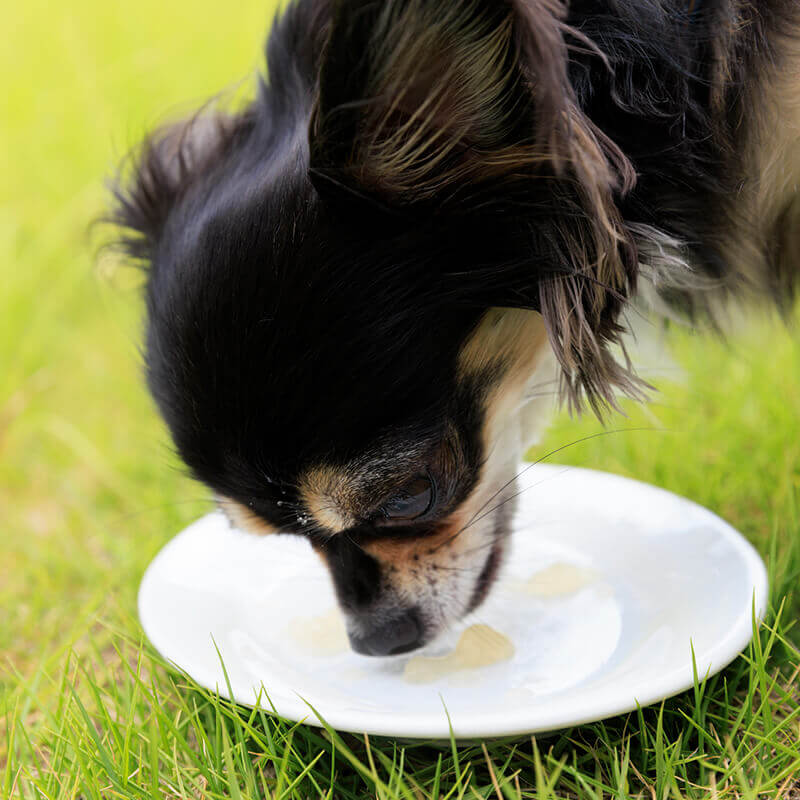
(244, 518)
(326, 494)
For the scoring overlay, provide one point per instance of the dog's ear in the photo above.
(418, 99)
(466, 105)
(161, 170)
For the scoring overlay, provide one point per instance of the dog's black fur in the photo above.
(318, 260)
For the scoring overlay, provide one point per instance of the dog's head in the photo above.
(354, 281)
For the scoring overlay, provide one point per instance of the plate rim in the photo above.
(430, 725)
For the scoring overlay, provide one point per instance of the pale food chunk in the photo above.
(558, 579)
(479, 646)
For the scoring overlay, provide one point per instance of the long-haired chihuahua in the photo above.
(356, 281)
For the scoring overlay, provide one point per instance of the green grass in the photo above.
(90, 490)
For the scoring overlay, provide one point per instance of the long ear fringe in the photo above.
(583, 339)
(141, 199)
(590, 372)
(437, 98)
(543, 41)
(580, 307)
(154, 175)
(429, 105)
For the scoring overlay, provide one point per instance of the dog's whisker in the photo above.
(515, 495)
(473, 569)
(539, 460)
(531, 396)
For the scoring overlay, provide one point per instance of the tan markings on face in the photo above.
(515, 342)
(438, 571)
(510, 336)
(243, 518)
(326, 494)
(402, 553)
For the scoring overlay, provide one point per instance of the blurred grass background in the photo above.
(87, 480)
(89, 487)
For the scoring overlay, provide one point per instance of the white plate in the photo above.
(628, 579)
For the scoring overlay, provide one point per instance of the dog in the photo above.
(357, 281)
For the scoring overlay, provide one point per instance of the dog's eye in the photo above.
(414, 500)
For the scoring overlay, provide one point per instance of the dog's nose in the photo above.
(400, 635)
